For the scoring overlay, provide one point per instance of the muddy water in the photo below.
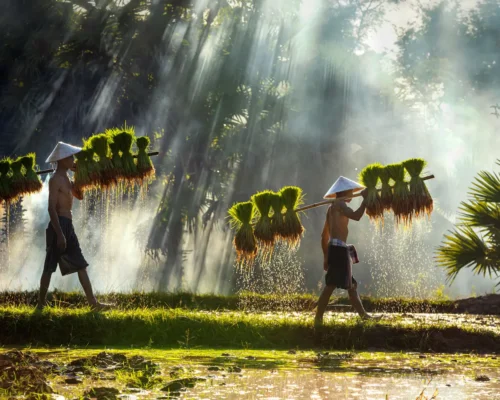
(307, 384)
(271, 375)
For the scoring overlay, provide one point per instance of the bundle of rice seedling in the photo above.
(244, 240)
(145, 168)
(292, 227)
(116, 160)
(401, 202)
(420, 197)
(33, 181)
(277, 221)
(104, 167)
(18, 180)
(124, 140)
(5, 181)
(263, 229)
(369, 178)
(92, 167)
(386, 192)
(82, 177)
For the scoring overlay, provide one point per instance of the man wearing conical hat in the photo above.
(338, 255)
(62, 243)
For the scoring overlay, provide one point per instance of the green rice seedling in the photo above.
(292, 198)
(145, 166)
(82, 177)
(241, 216)
(263, 229)
(370, 177)
(18, 180)
(125, 139)
(277, 220)
(386, 191)
(5, 180)
(421, 199)
(100, 144)
(401, 202)
(93, 168)
(116, 159)
(33, 181)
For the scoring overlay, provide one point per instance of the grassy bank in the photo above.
(187, 328)
(241, 302)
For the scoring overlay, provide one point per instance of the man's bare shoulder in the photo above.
(343, 207)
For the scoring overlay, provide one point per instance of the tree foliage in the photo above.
(475, 243)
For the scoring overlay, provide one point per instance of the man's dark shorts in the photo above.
(71, 259)
(339, 268)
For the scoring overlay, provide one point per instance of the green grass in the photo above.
(173, 328)
(241, 302)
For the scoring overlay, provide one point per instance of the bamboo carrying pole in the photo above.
(48, 171)
(330, 201)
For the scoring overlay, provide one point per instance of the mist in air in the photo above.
(246, 96)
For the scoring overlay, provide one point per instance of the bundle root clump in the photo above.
(241, 216)
(293, 230)
(263, 229)
(401, 202)
(369, 178)
(33, 181)
(421, 199)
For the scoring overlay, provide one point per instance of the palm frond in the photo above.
(478, 214)
(486, 187)
(463, 248)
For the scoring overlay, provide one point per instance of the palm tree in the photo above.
(475, 243)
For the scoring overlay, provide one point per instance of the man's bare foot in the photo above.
(368, 317)
(101, 307)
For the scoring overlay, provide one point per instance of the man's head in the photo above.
(345, 193)
(63, 155)
(66, 163)
(343, 187)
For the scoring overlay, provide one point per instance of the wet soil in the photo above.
(208, 374)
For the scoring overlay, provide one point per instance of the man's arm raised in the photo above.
(54, 186)
(78, 194)
(350, 213)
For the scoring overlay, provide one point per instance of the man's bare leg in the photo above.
(324, 298)
(356, 303)
(44, 288)
(87, 288)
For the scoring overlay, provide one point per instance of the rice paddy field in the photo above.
(161, 346)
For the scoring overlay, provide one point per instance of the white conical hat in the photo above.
(61, 151)
(342, 184)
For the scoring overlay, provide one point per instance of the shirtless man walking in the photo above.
(63, 247)
(338, 256)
